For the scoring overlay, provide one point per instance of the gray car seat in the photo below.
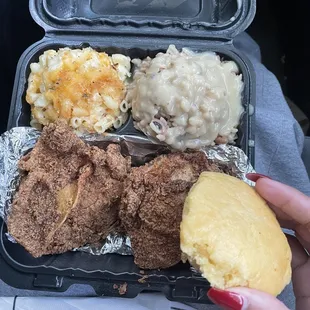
(306, 154)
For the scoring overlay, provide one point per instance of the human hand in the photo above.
(292, 209)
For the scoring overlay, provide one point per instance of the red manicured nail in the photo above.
(255, 176)
(226, 300)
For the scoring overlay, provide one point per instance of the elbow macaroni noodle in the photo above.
(84, 87)
(186, 99)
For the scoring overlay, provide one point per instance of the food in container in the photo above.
(112, 27)
(69, 193)
(186, 99)
(82, 86)
(230, 234)
(152, 204)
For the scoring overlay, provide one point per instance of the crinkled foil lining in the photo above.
(18, 141)
(13, 145)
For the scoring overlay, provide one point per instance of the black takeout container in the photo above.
(137, 28)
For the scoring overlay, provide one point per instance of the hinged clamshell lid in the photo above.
(206, 19)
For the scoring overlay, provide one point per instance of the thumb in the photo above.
(241, 298)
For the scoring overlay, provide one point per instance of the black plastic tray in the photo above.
(92, 25)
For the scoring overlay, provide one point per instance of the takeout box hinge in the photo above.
(48, 281)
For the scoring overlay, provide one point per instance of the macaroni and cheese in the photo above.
(186, 99)
(84, 87)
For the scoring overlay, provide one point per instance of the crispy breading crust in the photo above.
(152, 204)
(70, 194)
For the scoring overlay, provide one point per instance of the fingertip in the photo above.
(275, 192)
(254, 177)
(255, 299)
(270, 189)
(226, 299)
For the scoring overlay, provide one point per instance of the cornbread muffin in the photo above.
(231, 235)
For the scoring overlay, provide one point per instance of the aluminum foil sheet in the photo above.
(114, 243)
(13, 145)
(18, 141)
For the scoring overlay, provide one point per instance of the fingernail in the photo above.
(255, 176)
(225, 299)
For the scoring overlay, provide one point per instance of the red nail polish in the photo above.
(225, 299)
(256, 176)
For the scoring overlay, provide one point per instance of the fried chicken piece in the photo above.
(152, 204)
(153, 250)
(69, 195)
